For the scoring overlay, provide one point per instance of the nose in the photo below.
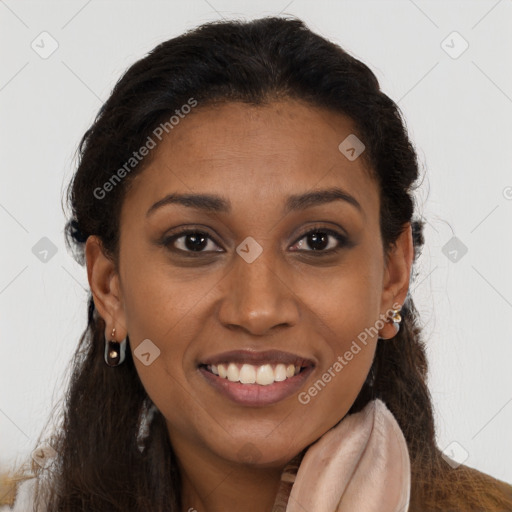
(258, 296)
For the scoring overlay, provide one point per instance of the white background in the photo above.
(458, 113)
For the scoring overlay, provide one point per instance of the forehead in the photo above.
(255, 153)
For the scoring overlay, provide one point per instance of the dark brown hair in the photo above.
(103, 462)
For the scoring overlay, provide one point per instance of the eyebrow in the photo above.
(217, 204)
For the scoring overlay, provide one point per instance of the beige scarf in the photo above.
(360, 465)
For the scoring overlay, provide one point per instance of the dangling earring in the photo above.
(114, 351)
(396, 318)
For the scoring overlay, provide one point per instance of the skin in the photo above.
(288, 299)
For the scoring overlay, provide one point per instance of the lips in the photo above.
(256, 379)
(272, 357)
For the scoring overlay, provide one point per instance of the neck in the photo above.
(227, 487)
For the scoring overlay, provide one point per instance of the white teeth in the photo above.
(280, 373)
(233, 372)
(223, 372)
(265, 375)
(250, 374)
(247, 374)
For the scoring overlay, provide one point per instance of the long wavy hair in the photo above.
(113, 451)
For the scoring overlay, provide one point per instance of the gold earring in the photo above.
(396, 318)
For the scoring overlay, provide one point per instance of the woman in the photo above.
(243, 204)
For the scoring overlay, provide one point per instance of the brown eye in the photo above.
(193, 241)
(322, 240)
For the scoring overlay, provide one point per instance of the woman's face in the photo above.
(252, 280)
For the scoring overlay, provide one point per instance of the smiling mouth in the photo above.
(263, 375)
(256, 378)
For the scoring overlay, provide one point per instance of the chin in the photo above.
(262, 454)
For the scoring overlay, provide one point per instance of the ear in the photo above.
(395, 284)
(104, 283)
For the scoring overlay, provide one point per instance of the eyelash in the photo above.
(341, 239)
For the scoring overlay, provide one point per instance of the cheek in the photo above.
(347, 358)
(346, 314)
(163, 318)
(344, 301)
(159, 300)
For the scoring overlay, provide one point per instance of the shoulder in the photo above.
(464, 488)
(494, 492)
